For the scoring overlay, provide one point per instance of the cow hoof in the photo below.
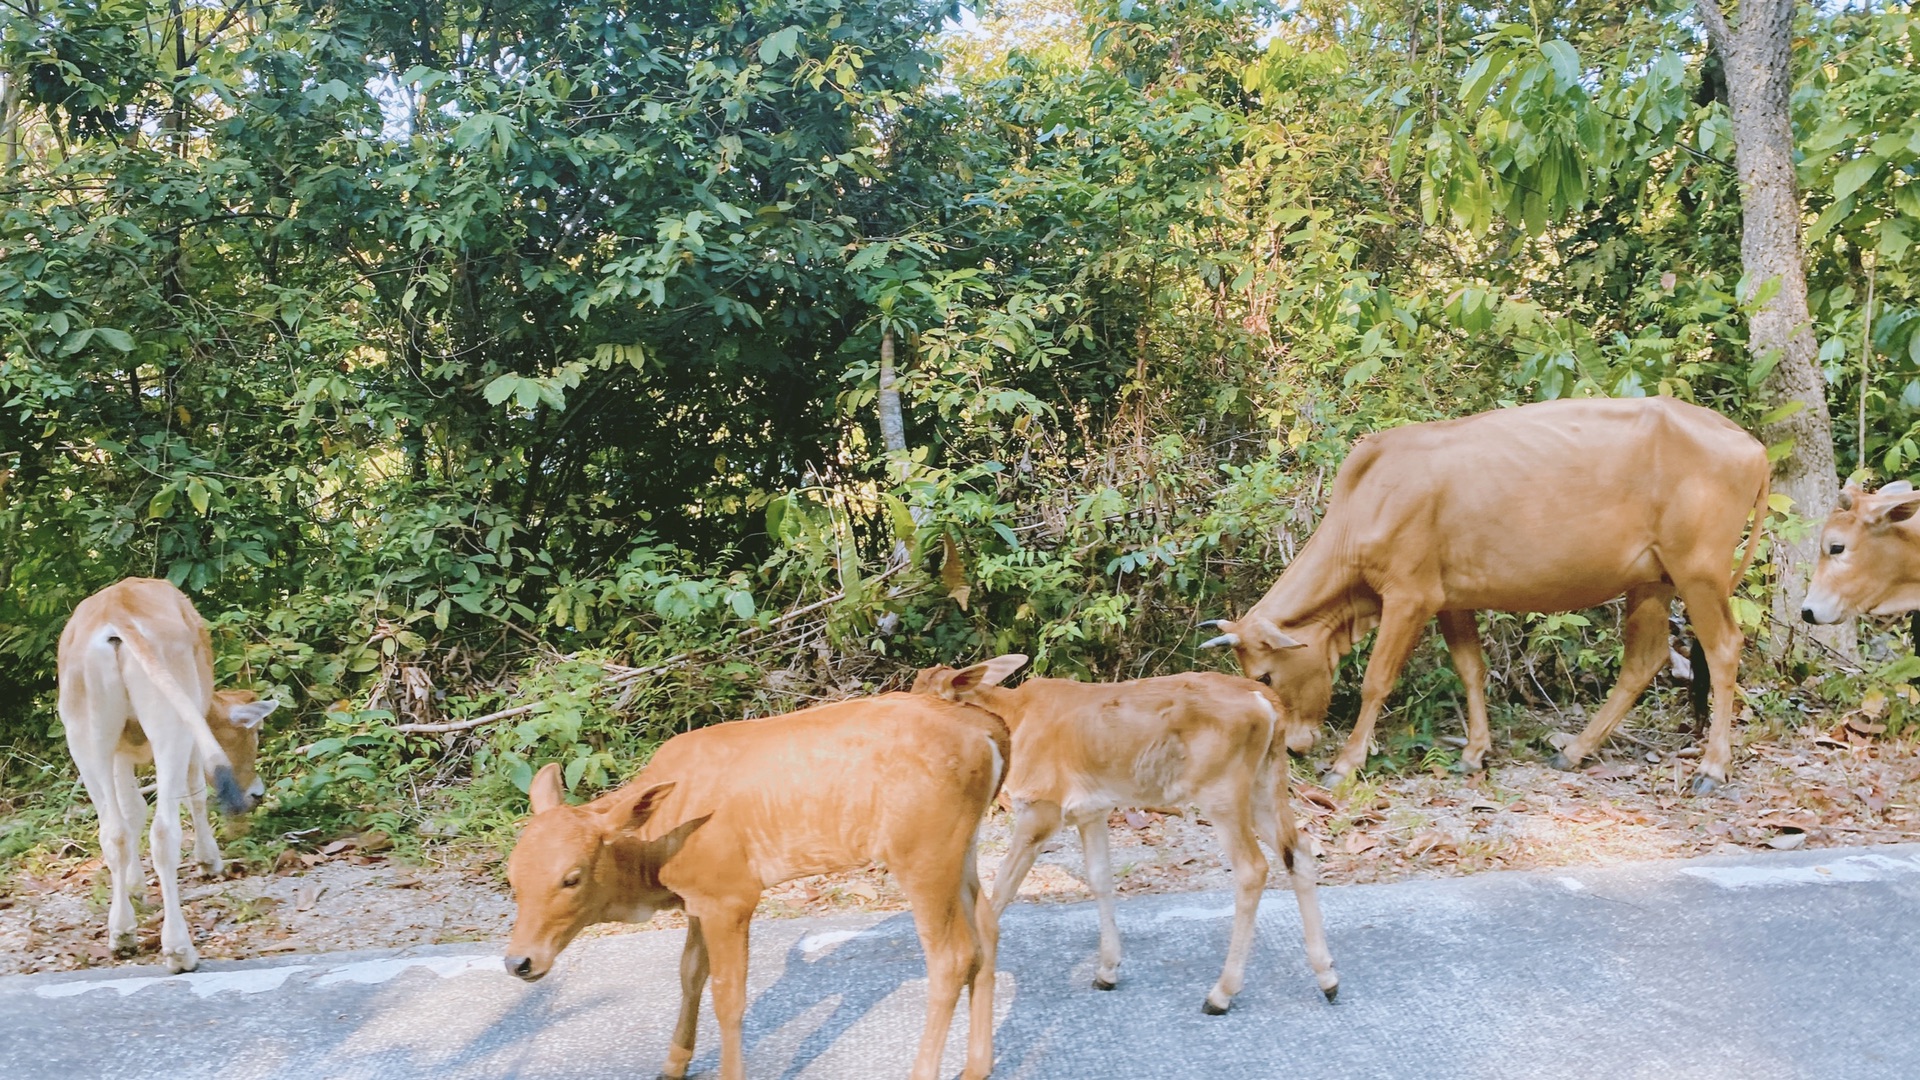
(1332, 778)
(1332, 992)
(1559, 761)
(1104, 984)
(1464, 767)
(183, 961)
(126, 947)
(1704, 784)
(1211, 1009)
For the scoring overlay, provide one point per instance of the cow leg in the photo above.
(1093, 843)
(693, 981)
(1401, 623)
(1275, 819)
(170, 758)
(1644, 650)
(1463, 642)
(1231, 823)
(935, 888)
(974, 905)
(206, 847)
(1033, 823)
(119, 838)
(1711, 613)
(724, 929)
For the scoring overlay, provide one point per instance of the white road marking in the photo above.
(1571, 884)
(203, 983)
(259, 980)
(826, 939)
(368, 972)
(1853, 868)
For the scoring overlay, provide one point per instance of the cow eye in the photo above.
(1835, 549)
(571, 880)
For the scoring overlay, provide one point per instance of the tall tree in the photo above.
(1756, 55)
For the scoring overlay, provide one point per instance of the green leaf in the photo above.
(501, 388)
(1852, 176)
(1565, 61)
(117, 339)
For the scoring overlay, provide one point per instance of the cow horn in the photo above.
(1210, 623)
(1223, 639)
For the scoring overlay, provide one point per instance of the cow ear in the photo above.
(987, 673)
(547, 791)
(632, 813)
(1896, 488)
(1902, 506)
(932, 680)
(1261, 631)
(250, 714)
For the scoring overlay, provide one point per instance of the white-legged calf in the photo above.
(136, 686)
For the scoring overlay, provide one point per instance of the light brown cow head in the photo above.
(1299, 669)
(1869, 556)
(235, 717)
(579, 865)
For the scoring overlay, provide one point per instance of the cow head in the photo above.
(234, 717)
(1300, 669)
(957, 684)
(574, 866)
(1869, 556)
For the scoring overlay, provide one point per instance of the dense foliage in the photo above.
(456, 356)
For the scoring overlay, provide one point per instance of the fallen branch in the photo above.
(625, 675)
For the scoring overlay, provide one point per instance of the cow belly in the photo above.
(1548, 576)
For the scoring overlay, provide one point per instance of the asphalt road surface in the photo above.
(1802, 964)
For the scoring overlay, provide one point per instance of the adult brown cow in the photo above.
(1554, 506)
(1869, 556)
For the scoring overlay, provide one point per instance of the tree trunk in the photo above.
(1758, 62)
(893, 428)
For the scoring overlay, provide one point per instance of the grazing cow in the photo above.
(1082, 750)
(1554, 506)
(136, 685)
(722, 813)
(1869, 556)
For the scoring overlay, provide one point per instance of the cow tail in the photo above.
(1753, 538)
(233, 799)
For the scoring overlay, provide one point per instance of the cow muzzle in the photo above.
(1820, 609)
(521, 967)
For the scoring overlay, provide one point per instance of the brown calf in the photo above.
(1082, 750)
(722, 813)
(1869, 556)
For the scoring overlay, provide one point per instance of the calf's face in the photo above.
(574, 866)
(235, 717)
(1869, 557)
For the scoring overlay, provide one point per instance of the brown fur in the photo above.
(1082, 750)
(1869, 559)
(1554, 506)
(722, 813)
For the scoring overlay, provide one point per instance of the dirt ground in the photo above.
(1817, 788)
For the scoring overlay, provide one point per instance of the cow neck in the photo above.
(1317, 590)
(636, 866)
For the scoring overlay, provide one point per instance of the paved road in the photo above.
(1804, 964)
